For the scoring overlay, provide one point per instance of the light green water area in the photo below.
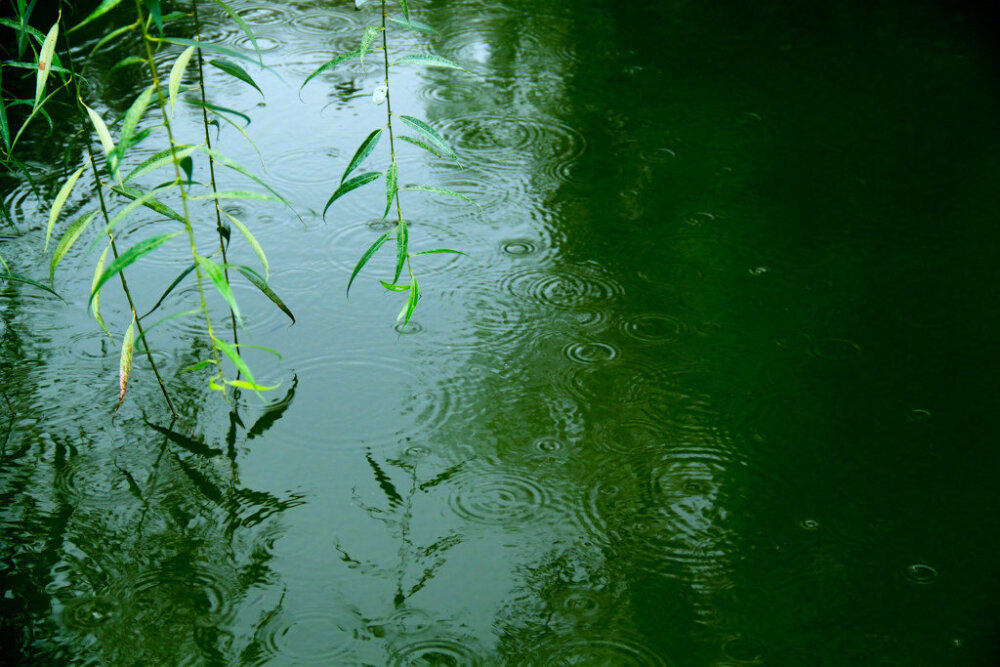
(715, 385)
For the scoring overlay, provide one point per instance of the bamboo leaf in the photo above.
(132, 254)
(125, 363)
(371, 32)
(262, 285)
(411, 304)
(253, 244)
(414, 25)
(344, 57)
(234, 70)
(103, 8)
(67, 241)
(391, 187)
(440, 251)
(243, 26)
(4, 275)
(364, 150)
(45, 62)
(176, 72)
(429, 61)
(365, 257)
(420, 144)
(160, 159)
(57, 205)
(95, 290)
(402, 246)
(216, 274)
(102, 130)
(207, 46)
(437, 190)
(352, 184)
(430, 134)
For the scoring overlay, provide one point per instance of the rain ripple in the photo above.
(570, 288)
(619, 649)
(499, 499)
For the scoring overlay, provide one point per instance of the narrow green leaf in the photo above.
(207, 46)
(95, 290)
(176, 72)
(103, 8)
(262, 285)
(156, 12)
(28, 281)
(131, 206)
(240, 194)
(198, 366)
(364, 150)
(352, 184)
(67, 241)
(420, 144)
(243, 26)
(234, 70)
(430, 134)
(127, 61)
(25, 28)
(436, 190)
(365, 257)
(253, 243)
(371, 32)
(4, 126)
(344, 57)
(129, 123)
(102, 130)
(440, 251)
(225, 161)
(132, 254)
(241, 366)
(429, 61)
(45, 62)
(111, 36)
(411, 304)
(414, 25)
(150, 203)
(406, 10)
(218, 109)
(218, 278)
(125, 363)
(394, 288)
(160, 159)
(402, 247)
(57, 205)
(170, 288)
(391, 187)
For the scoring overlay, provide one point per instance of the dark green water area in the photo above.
(715, 386)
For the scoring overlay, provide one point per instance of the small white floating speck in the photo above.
(379, 95)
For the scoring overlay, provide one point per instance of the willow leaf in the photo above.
(365, 257)
(102, 9)
(406, 10)
(45, 62)
(364, 150)
(243, 26)
(391, 187)
(241, 366)
(60, 200)
(111, 36)
(240, 194)
(161, 159)
(131, 206)
(402, 247)
(371, 32)
(344, 57)
(430, 134)
(67, 241)
(216, 274)
(253, 243)
(206, 46)
(102, 130)
(414, 25)
(132, 254)
(125, 362)
(439, 191)
(218, 109)
(411, 304)
(420, 144)
(170, 288)
(4, 275)
(394, 288)
(150, 203)
(4, 126)
(429, 61)
(131, 120)
(127, 61)
(176, 72)
(226, 161)
(262, 285)
(95, 289)
(234, 70)
(352, 184)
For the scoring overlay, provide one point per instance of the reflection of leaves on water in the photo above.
(441, 477)
(273, 412)
(384, 482)
(190, 444)
(200, 481)
(255, 652)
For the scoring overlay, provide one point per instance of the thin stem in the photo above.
(211, 168)
(111, 236)
(388, 113)
(180, 185)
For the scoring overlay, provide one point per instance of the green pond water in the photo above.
(715, 386)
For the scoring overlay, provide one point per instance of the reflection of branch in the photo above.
(10, 423)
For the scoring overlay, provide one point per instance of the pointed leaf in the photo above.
(371, 32)
(45, 62)
(57, 205)
(150, 203)
(67, 241)
(262, 285)
(125, 363)
(364, 150)
(132, 254)
(406, 10)
(243, 26)
(176, 72)
(352, 184)
(241, 366)
(411, 304)
(391, 187)
(111, 36)
(4, 126)
(429, 61)
(160, 159)
(344, 57)
(218, 109)
(253, 243)
(129, 124)
(402, 244)
(365, 257)
(420, 144)
(170, 288)
(430, 134)
(102, 130)
(218, 278)
(225, 161)
(206, 46)
(131, 206)
(438, 191)
(240, 194)
(127, 62)
(156, 12)
(234, 70)
(103, 8)
(440, 251)
(394, 288)
(4, 275)
(95, 289)
(414, 25)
